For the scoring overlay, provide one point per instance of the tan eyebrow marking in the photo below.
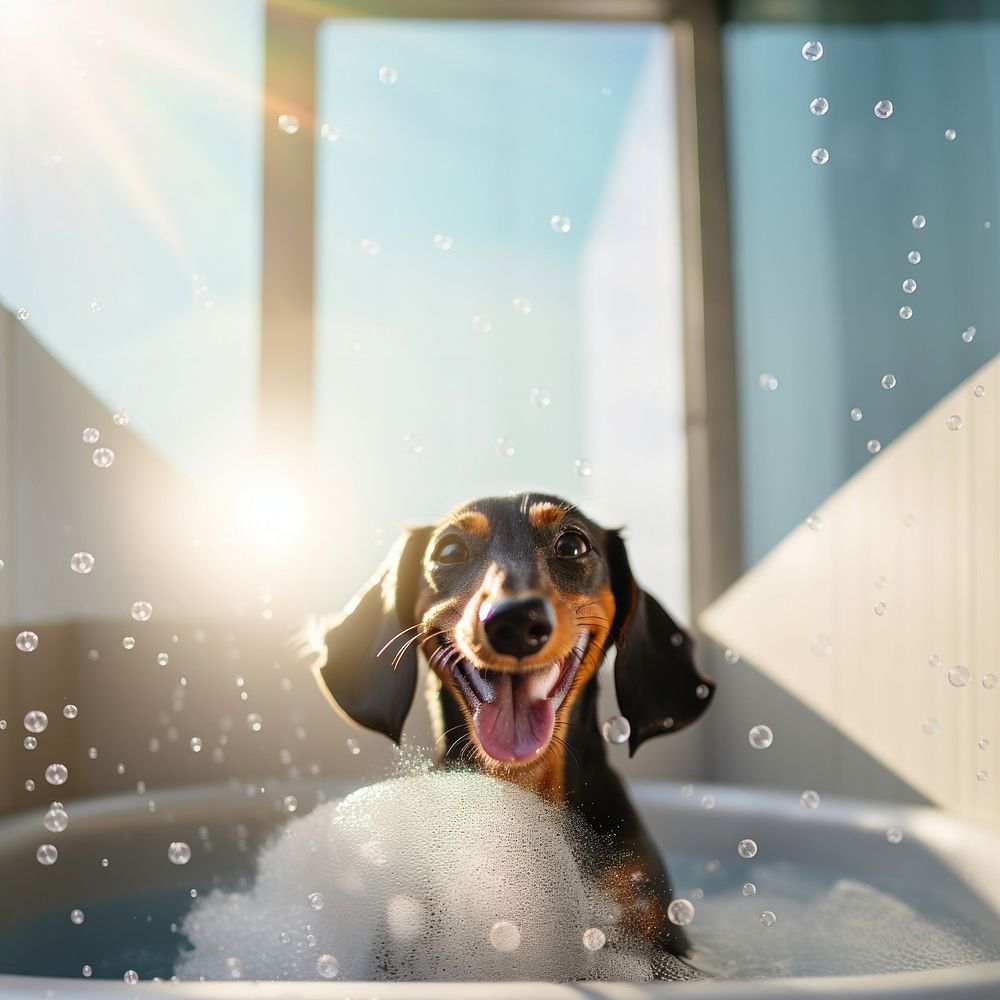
(542, 514)
(474, 522)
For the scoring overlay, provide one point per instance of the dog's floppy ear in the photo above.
(367, 687)
(659, 689)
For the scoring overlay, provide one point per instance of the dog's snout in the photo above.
(519, 627)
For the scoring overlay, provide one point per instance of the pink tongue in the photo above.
(519, 721)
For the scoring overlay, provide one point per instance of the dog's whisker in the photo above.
(399, 635)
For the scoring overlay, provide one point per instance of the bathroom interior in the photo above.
(281, 279)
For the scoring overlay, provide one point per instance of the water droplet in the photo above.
(594, 939)
(819, 106)
(444, 241)
(905, 312)
(56, 819)
(979, 391)
(121, 418)
(931, 727)
(196, 744)
(707, 802)
(540, 396)
(522, 306)
(767, 918)
(760, 737)
(894, 835)
(329, 132)
(680, 912)
(504, 447)
(29, 785)
(47, 854)
(87, 971)
(91, 435)
(809, 799)
(505, 936)
(888, 381)
(131, 977)
(162, 659)
(370, 247)
(812, 51)
(814, 522)
(909, 286)
(105, 863)
(413, 444)
(881, 608)
(77, 917)
(316, 900)
(982, 775)
(23, 314)
(290, 803)
(583, 467)
(819, 156)
(387, 75)
(81, 562)
(289, 124)
(874, 446)
(746, 849)
(959, 676)
(70, 711)
(950, 134)
(969, 334)
(731, 656)
(767, 382)
(141, 611)
(128, 642)
(56, 774)
(821, 645)
(749, 889)
(561, 223)
(481, 323)
(36, 721)
(984, 744)
(30, 742)
(354, 746)
(103, 458)
(883, 109)
(702, 691)
(27, 642)
(617, 729)
(954, 422)
(179, 853)
(914, 257)
(990, 682)
(327, 966)
(918, 222)
(254, 722)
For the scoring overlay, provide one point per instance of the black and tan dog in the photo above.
(515, 601)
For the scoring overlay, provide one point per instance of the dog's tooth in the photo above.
(482, 686)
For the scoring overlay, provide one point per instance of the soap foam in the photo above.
(433, 876)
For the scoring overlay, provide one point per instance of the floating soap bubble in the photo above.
(290, 803)
(874, 446)
(680, 912)
(990, 682)
(918, 221)
(47, 854)
(959, 676)
(289, 124)
(91, 435)
(583, 467)
(327, 966)
(883, 109)
(767, 382)
(931, 727)
(894, 835)
(594, 939)
(56, 819)
(812, 51)
(561, 223)
(196, 744)
(481, 323)
(819, 156)
(70, 711)
(504, 447)
(888, 381)
(387, 75)
(128, 642)
(77, 917)
(809, 799)
(56, 774)
(370, 247)
(969, 334)
(909, 286)
(92, 753)
(141, 611)
(954, 422)
(354, 746)
(760, 737)
(254, 722)
(856, 414)
(746, 849)
(749, 889)
(697, 893)
(131, 977)
(984, 744)
(29, 785)
(819, 106)
(505, 936)
(540, 396)
(914, 257)
(26, 641)
(162, 659)
(120, 417)
(179, 853)
(103, 458)
(767, 918)
(979, 391)
(814, 522)
(731, 656)
(702, 691)
(87, 971)
(982, 775)
(329, 131)
(905, 312)
(22, 314)
(36, 721)
(444, 241)
(617, 729)
(707, 802)
(950, 134)
(316, 900)
(522, 306)
(881, 608)
(30, 742)
(81, 562)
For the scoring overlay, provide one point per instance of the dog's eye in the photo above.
(571, 545)
(450, 550)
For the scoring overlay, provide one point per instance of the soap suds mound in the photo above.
(433, 876)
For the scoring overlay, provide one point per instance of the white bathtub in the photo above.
(941, 858)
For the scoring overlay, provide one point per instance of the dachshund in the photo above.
(515, 602)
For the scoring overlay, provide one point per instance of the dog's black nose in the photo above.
(519, 627)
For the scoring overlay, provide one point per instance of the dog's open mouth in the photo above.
(515, 713)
